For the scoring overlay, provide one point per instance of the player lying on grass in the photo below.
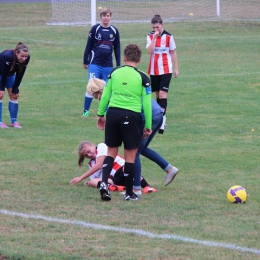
(97, 154)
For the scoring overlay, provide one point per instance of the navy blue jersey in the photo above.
(6, 63)
(102, 41)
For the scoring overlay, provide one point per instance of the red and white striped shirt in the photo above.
(101, 150)
(161, 60)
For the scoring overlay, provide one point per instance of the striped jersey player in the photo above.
(162, 49)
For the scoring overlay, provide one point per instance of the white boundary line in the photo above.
(139, 232)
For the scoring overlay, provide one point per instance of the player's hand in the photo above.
(2, 93)
(147, 132)
(14, 96)
(85, 66)
(97, 95)
(176, 73)
(101, 121)
(156, 34)
(75, 181)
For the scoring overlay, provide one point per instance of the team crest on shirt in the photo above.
(111, 36)
(99, 37)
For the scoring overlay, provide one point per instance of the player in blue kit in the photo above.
(103, 40)
(13, 64)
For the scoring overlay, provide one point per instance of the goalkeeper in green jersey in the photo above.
(128, 91)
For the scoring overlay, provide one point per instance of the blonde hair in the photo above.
(81, 147)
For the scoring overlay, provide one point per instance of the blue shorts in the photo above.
(9, 82)
(95, 71)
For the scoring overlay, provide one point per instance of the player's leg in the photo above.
(129, 173)
(162, 97)
(93, 72)
(105, 72)
(137, 165)
(113, 141)
(2, 124)
(131, 132)
(93, 183)
(13, 104)
(104, 75)
(146, 187)
(118, 181)
(107, 168)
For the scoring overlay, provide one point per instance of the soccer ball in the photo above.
(237, 194)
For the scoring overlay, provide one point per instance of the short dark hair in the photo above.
(157, 19)
(105, 11)
(132, 52)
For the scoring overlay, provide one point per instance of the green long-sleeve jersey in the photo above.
(128, 88)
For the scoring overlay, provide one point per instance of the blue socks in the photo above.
(13, 109)
(87, 101)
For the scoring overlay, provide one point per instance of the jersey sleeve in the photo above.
(117, 50)
(101, 150)
(19, 76)
(172, 43)
(90, 43)
(149, 38)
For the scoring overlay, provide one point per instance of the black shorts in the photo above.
(123, 126)
(118, 178)
(161, 82)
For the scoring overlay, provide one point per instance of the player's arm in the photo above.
(150, 43)
(117, 49)
(5, 70)
(95, 168)
(175, 63)
(19, 76)
(90, 43)
(147, 102)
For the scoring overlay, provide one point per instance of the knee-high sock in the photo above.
(107, 167)
(129, 178)
(87, 101)
(144, 183)
(163, 104)
(13, 109)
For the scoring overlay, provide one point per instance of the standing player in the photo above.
(128, 90)
(13, 64)
(162, 49)
(103, 39)
(171, 171)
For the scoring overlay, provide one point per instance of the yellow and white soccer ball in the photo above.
(237, 194)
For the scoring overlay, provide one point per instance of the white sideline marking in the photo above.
(133, 231)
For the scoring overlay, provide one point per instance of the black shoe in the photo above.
(104, 192)
(133, 197)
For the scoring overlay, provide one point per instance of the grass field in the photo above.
(212, 136)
